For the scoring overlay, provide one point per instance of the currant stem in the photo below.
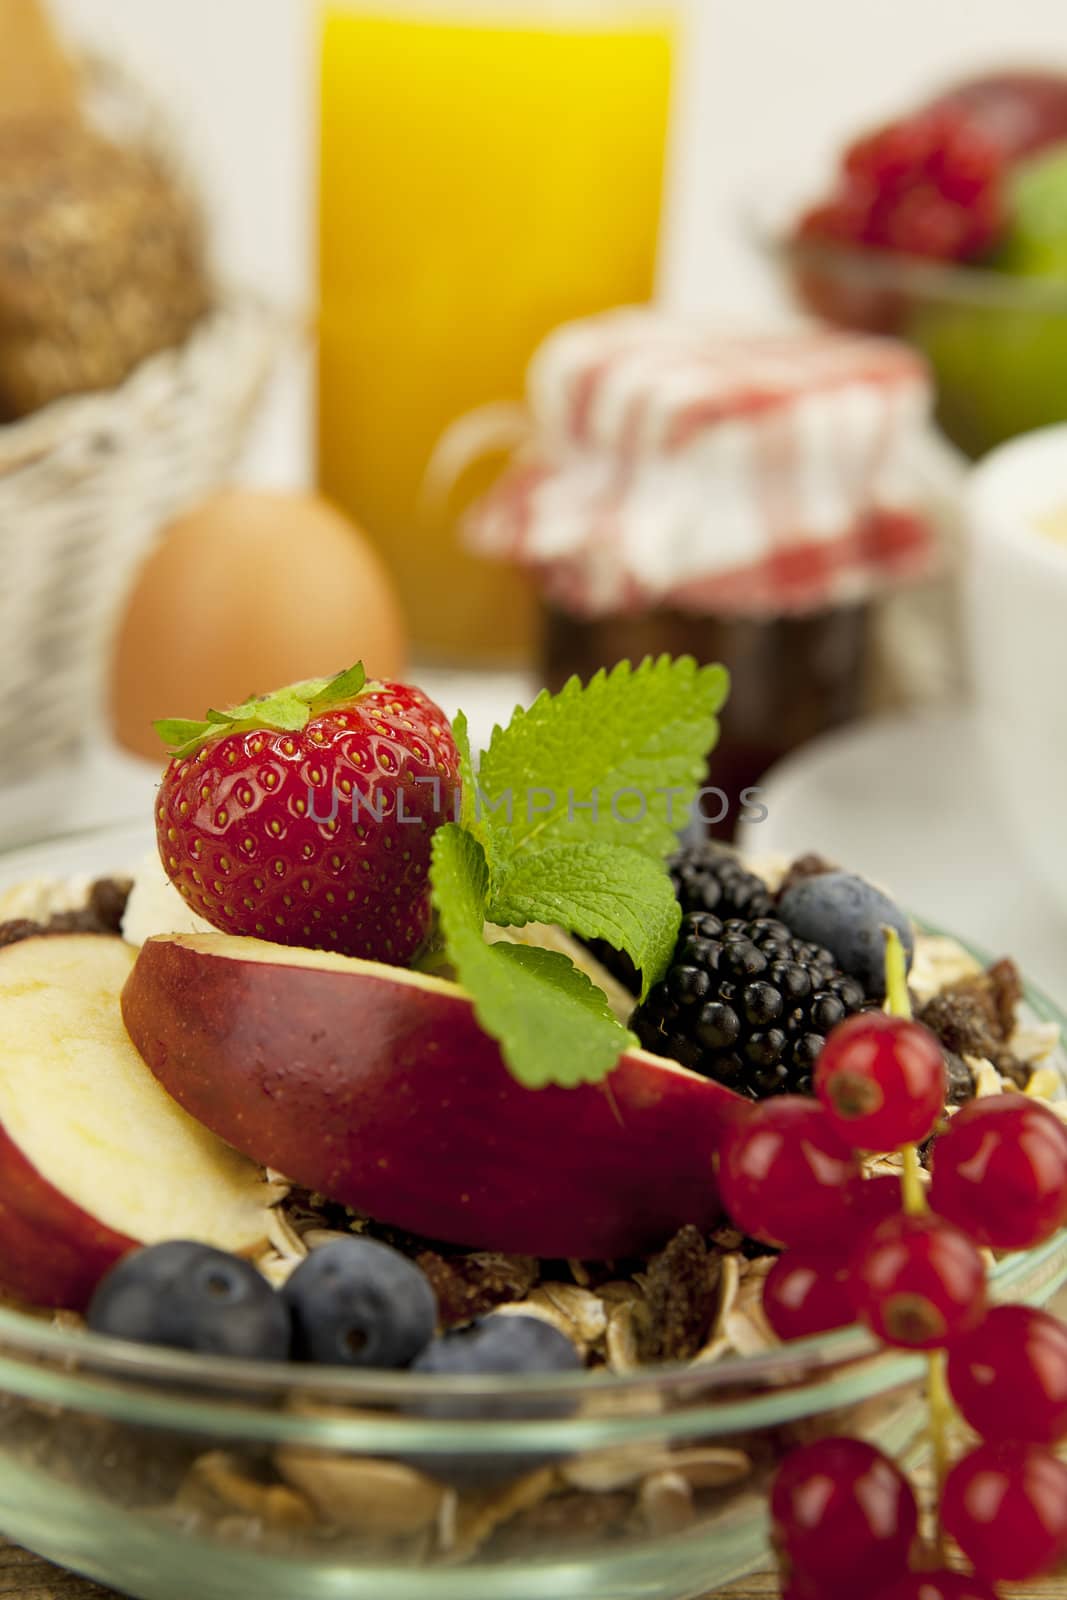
(898, 1004)
(939, 1403)
(898, 1000)
(938, 1400)
(911, 1182)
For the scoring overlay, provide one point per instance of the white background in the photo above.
(771, 84)
(768, 90)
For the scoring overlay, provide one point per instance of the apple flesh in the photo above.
(378, 1088)
(95, 1158)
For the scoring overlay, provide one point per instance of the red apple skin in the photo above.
(54, 1253)
(390, 1098)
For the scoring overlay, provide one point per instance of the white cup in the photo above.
(1016, 620)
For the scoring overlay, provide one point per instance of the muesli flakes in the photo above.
(230, 1479)
(666, 1503)
(362, 1493)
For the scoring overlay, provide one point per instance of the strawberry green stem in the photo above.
(286, 710)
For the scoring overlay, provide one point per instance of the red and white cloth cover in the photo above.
(676, 465)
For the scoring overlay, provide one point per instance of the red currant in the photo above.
(874, 1201)
(1006, 1507)
(918, 1282)
(1009, 1377)
(1000, 1172)
(844, 1519)
(784, 1175)
(882, 1081)
(941, 1585)
(806, 1292)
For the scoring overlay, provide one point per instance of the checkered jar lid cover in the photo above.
(674, 464)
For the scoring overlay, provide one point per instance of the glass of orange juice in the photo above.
(488, 169)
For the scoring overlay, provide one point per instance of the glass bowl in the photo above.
(164, 1474)
(997, 344)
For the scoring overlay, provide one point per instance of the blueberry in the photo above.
(499, 1345)
(847, 915)
(192, 1297)
(358, 1303)
(493, 1346)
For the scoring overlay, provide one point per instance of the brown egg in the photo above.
(249, 592)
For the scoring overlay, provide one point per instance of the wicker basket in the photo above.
(87, 483)
(85, 486)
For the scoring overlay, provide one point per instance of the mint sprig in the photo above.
(623, 755)
(598, 891)
(568, 820)
(552, 1023)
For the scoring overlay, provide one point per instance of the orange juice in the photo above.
(486, 173)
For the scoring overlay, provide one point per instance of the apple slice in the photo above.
(378, 1088)
(95, 1159)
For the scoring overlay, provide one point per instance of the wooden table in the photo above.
(27, 1577)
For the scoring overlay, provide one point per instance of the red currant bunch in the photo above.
(882, 1080)
(1000, 1172)
(785, 1175)
(844, 1518)
(917, 1282)
(1006, 1507)
(807, 1292)
(1020, 1352)
(939, 1585)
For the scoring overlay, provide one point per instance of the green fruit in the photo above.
(1000, 370)
(1035, 244)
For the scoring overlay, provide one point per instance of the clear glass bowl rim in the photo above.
(150, 1386)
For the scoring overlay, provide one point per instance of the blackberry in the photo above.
(748, 1003)
(707, 877)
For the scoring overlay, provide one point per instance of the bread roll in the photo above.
(101, 261)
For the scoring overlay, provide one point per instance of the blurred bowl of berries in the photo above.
(947, 227)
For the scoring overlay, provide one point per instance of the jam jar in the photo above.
(749, 498)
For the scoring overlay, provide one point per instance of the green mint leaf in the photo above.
(552, 1024)
(597, 891)
(460, 879)
(461, 735)
(632, 742)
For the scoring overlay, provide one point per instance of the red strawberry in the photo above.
(306, 817)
